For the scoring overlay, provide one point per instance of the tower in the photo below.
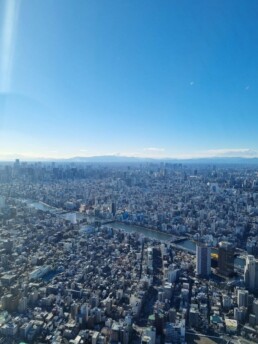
(226, 258)
(203, 260)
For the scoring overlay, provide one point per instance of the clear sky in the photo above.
(146, 78)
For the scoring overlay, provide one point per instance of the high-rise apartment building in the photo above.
(203, 260)
(226, 258)
(242, 298)
(251, 274)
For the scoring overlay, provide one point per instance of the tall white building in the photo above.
(172, 273)
(251, 274)
(203, 260)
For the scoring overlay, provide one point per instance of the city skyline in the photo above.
(170, 80)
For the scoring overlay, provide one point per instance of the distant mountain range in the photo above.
(108, 158)
(126, 159)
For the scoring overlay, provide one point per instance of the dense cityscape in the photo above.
(128, 253)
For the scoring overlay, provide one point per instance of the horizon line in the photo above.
(26, 158)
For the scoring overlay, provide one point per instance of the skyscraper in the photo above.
(226, 258)
(203, 260)
(251, 274)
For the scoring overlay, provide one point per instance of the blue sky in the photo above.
(144, 78)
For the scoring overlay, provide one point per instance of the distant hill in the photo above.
(109, 158)
(125, 159)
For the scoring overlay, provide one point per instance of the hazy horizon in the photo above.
(106, 157)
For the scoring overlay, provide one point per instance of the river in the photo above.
(152, 234)
(147, 232)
